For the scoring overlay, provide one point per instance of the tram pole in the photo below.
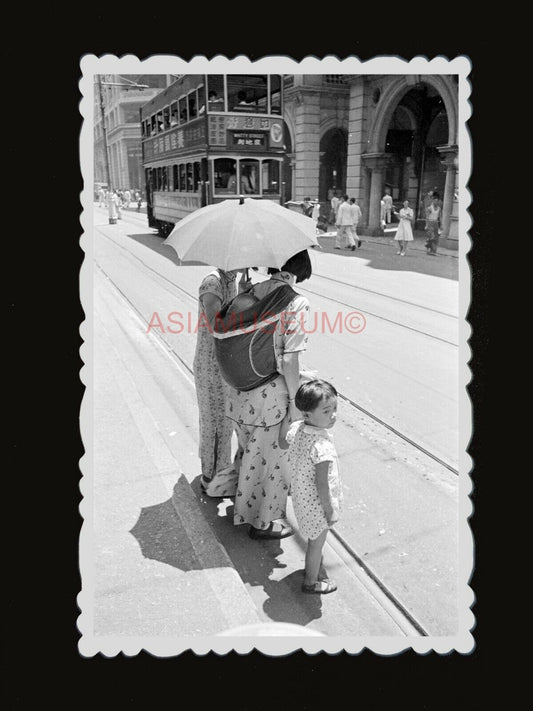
(104, 130)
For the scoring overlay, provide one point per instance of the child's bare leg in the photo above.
(313, 557)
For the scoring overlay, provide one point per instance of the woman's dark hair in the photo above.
(310, 394)
(299, 265)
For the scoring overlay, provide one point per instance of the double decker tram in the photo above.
(207, 138)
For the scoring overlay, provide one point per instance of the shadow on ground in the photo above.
(382, 255)
(255, 561)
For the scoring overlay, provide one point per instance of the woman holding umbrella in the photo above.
(216, 289)
(257, 414)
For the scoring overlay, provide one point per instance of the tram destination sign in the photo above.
(248, 139)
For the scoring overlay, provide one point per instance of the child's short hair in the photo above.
(311, 394)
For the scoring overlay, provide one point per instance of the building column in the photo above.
(306, 144)
(450, 233)
(377, 163)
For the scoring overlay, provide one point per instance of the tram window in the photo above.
(215, 92)
(225, 175)
(201, 100)
(196, 176)
(189, 178)
(153, 125)
(182, 183)
(166, 117)
(249, 171)
(247, 92)
(192, 105)
(183, 109)
(175, 177)
(174, 113)
(159, 121)
(270, 177)
(164, 178)
(275, 94)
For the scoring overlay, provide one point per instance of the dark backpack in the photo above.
(244, 340)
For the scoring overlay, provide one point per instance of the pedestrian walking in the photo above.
(127, 198)
(335, 202)
(138, 198)
(387, 206)
(433, 224)
(113, 207)
(356, 217)
(315, 482)
(404, 233)
(101, 198)
(344, 224)
(215, 430)
(257, 413)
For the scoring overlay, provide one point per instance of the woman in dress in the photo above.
(216, 289)
(257, 415)
(404, 233)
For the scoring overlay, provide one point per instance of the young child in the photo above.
(315, 483)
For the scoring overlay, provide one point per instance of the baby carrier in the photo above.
(244, 340)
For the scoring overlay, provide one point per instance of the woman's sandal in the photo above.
(269, 533)
(321, 587)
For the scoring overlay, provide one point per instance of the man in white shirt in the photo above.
(344, 224)
(335, 202)
(387, 205)
(356, 216)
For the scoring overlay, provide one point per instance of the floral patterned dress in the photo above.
(309, 445)
(211, 390)
(263, 476)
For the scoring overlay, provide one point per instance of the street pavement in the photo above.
(167, 560)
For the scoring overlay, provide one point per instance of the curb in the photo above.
(234, 600)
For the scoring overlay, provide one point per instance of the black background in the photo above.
(41, 663)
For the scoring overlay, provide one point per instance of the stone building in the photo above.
(362, 134)
(121, 107)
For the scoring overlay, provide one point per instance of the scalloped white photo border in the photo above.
(90, 644)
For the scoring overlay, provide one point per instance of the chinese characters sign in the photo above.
(186, 137)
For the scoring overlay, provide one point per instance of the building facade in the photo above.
(364, 134)
(119, 106)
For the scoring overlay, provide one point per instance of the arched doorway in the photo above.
(332, 173)
(412, 146)
(417, 126)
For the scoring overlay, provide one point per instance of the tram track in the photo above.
(176, 288)
(352, 306)
(381, 593)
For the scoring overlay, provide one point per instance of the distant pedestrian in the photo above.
(315, 214)
(387, 206)
(404, 233)
(127, 198)
(335, 202)
(425, 202)
(101, 197)
(113, 206)
(344, 224)
(356, 217)
(307, 207)
(433, 224)
(315, 482)
(138, 199)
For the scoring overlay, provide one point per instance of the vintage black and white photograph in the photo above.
(275, 353)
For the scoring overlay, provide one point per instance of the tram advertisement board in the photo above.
(175, 140)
